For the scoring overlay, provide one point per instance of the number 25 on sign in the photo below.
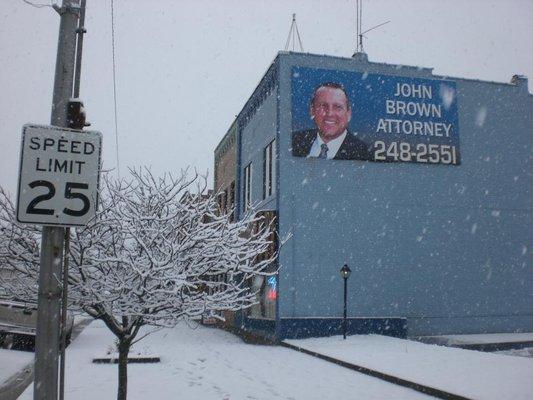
(59, 176)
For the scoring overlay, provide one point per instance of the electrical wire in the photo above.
(37, 5)
(114, 81)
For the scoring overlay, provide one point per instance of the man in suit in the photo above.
(331, 111)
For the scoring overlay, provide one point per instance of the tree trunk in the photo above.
(123, 350)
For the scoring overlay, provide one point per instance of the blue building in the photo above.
(434, 216)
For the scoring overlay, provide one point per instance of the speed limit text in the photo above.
(63, 145)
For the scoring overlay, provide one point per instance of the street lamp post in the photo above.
(345, 273)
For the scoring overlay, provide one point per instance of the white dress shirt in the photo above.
(333, 146)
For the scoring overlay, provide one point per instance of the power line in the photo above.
(114, 81)
(37, 5)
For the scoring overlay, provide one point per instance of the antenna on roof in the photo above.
(293, 33)
(359, 26)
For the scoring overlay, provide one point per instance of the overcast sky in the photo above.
(186, 68)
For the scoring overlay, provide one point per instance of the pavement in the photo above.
(482, 342)
(443, 372)
(206, 363)
(427, 369)
(14, 384)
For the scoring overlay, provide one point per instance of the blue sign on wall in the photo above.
(352, 115)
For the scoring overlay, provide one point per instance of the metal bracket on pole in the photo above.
(73, 8)
(59, 10)
(51, 295)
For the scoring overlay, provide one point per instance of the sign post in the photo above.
(58, 186)
(54, 191)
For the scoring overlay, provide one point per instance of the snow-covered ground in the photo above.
(207, 363)
(482, 338)
(525, 352)
(11, 362)
(472, 374)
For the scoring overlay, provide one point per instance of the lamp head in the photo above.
(345, 271)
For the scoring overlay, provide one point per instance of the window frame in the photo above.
(269, 170)
(247, 187)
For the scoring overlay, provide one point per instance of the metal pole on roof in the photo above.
(294, 33)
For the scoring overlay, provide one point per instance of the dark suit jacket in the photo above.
(351, 148)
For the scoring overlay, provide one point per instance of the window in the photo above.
(222, 202)
(232, 201)
(247, 192)
(269, 170)
(226, 201)
(265, 287)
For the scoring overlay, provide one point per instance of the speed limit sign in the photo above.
(59, 176)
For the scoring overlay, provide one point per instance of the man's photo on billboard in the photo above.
(330, 109)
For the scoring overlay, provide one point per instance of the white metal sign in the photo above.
(59, 175)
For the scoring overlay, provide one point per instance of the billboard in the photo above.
(347, 115)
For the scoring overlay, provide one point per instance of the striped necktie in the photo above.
(323, 151)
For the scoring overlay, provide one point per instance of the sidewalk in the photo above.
(464, 373)
(204, 363)
(16, 371)
(16, 367)
(482, 342)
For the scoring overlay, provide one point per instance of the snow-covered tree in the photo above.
(19, 254)
(153, 255)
